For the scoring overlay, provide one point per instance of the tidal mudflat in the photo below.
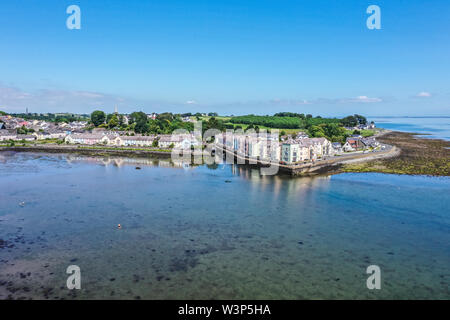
(216, 232)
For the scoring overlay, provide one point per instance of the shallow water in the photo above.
(429, 127)
(221, 232)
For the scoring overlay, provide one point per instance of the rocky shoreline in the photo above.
(418, 156)
(92, 151)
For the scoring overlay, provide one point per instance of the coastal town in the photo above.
(285, 149)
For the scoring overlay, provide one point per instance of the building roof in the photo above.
(172, 138)
(4, 132)
(86, 136)
(24, 136)
(138, 138)
(336, 144)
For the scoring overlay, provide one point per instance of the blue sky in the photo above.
(231, 57)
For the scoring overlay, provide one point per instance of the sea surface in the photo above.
(430, 127)
(216, 232)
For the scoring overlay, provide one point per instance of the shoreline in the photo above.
(410, 154)
(418, 156)
(89, 150)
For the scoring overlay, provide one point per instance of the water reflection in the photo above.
(216, 231)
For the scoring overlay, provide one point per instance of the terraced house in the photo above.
(87, 138)
(293, 151)
(136, 141)
(7, 135)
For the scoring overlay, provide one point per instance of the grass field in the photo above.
(244, 126)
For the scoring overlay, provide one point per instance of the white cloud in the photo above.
(289, 102)
(16, 100)
(191, 102)
(362, 99)
(423, 94)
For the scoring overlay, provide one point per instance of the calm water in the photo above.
(217, 232)
(433, 127)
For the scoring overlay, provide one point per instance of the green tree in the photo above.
(213, 123)
(349, 121)
(109, 117)
(166, 116)
(98, 117)
(139, 120)
(316, 131)
(113, 122)
(360, 119)
(22, 130)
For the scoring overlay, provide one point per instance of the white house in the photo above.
(166, 141)
(7, 135)
(25, 137)
(292, 151)
(137, 141)
(87, 138)
(336, 148)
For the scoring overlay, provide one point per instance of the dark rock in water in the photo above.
(391, 253)
(74, 260)
(112, 279)
(227, 181)
(138, 168)
(300, 242)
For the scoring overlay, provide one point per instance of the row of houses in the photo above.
(290, 150)
(268, 147)
(357, 143)
(305, 149)
(367, 126)
(163, 141)
(12, 123)
(252, 145)
(6, 135)
(11, 135)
